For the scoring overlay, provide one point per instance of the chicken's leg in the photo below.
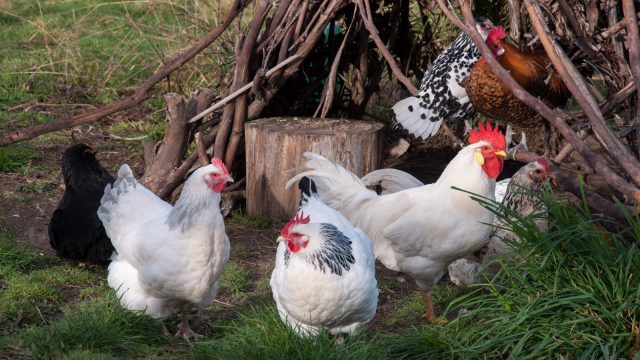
(429, 312)
(184, 330)
(164, 330)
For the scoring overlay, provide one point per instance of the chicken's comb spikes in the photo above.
(218, 163)
(297, 219)
(486, 133)
(497, 33)
(545, 164)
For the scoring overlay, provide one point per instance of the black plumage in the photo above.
(75, 231)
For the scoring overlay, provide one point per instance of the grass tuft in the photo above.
(16, 158)
(99, 326)
(260, 334)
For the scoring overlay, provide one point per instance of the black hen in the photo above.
(75, 231)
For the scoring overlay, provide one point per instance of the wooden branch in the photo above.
(576, 84)
(581, 37)
(553, 117)
(566, 182)
(304, 49)
(172, 147)
(242, 77)
(373, 32)
(243, 89)
(201, 150)
(140, 94)
(227, 114)
(516, 28)
(326, 100)
(634, 58)
(177, 176)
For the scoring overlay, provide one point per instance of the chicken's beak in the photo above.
(501, 153)
(280, 239)
(229, 179)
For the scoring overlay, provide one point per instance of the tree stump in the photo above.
(275, 147)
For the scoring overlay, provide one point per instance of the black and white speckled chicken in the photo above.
(522, 197)
(441, 97)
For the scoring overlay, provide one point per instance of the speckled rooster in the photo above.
(491, 97)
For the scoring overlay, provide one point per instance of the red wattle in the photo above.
(219, 187)
(493, 167)
(293, 247)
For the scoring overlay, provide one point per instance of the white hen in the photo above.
(168, 258)
(325, 275)
(419, 231)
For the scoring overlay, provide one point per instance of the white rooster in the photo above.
(168, 258)
(419, 231)
(325, 270)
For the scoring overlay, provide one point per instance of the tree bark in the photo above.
(275, 147)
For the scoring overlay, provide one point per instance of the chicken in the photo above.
(419, 231)
(441, 97)
(325, 270)
(522, 197)
(491, 97)
(75, 232)
(168, 258)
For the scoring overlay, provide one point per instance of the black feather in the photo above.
(75, 231)
(307, 189)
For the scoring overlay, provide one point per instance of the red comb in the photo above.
(545, 164)
(298, 219)
(493, 136)
(497, 33)
(218, 163)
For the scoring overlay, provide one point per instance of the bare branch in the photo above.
(141, 93)
(373, 32)
(553, 117)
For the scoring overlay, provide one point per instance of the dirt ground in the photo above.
(28, 199)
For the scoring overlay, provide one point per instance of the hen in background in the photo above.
(419, 231)
(441, 96)
(75, 232)
(523, 198)
(168, 258)
(325, 273)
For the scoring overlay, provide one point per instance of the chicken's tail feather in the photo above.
(336, 186)
(391, 180)
(109, 200)
(416, 119)
(123, 277)
(308, 190)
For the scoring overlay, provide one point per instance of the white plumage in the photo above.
(417, 231)
(324, 276)
(167, 258)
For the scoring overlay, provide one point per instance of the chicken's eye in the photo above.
(485, 148)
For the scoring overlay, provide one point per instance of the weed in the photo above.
(16, 158)
(235, 279)
(254, 222)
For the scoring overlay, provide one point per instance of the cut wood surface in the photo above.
(275, 148)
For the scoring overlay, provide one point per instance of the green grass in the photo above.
(16, 158)
(573, 294)
(235, 279)
(58, 56)
(254, 222)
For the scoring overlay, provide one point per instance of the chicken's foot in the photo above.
(184, 330)
(429, 312)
